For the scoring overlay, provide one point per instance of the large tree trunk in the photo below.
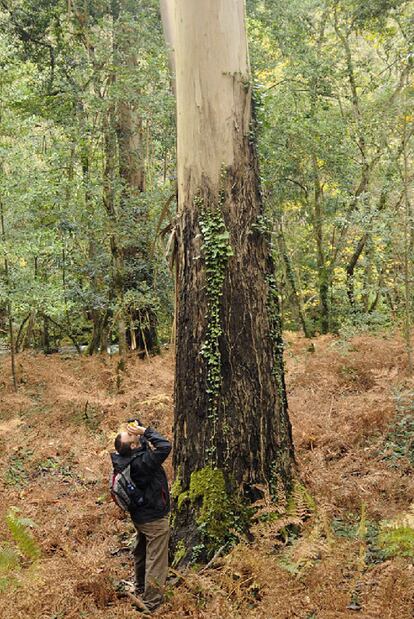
(232, 432)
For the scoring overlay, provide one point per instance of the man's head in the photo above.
(124, 443)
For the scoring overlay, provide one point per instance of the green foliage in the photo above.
(59, 231)
(303, 546)
(19, 530)
(220, 516)
(399, 442)
(216, 250)
(208, 487)
(9, 559)
(86, 261)
(367, 532)
(180, 553)
(396, 537)
(16, 474)
(398, 542)
(9, 565)
(300, 502)
(308, 57)
(26, 548)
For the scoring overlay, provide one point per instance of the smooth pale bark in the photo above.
(213, 93)
(239, 425)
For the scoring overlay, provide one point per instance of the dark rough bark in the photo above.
(350, 269)
(248, 434)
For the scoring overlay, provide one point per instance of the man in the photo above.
(145, 450)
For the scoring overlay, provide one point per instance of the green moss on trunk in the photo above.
(219, 515)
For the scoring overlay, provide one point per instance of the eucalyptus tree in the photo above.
(232, 432)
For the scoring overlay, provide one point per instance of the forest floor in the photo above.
(341, 550)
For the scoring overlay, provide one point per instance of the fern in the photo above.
(9, 559)
(301, 503)
(9, 563)
(18, 528)
(397, 536)
(398, 541)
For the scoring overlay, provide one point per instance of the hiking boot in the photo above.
(139, 588)
(125, 586)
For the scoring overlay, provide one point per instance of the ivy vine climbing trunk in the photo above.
(232, 431)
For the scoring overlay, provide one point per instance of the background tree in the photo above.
(103, 216)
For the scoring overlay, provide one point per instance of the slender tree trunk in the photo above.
(232, 431)
(323, 273)
(290, 276)
(360, 246)
(408, 223)
(47, 349)
(322, 269)
(368, 275)
(7, 276)
(110, 147)
(133, 144)
(350, 269)
(9, 303)
(95, 314)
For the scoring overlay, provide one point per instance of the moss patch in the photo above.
(218, 515)
(214, 514)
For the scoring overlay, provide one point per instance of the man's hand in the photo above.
(135, 430)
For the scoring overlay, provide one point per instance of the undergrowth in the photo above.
(23, 552)
(16, 473)
(399, 441)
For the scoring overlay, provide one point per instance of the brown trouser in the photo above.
(151, 559)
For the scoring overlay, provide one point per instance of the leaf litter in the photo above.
(321, 557)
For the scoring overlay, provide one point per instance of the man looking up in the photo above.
(145, 450)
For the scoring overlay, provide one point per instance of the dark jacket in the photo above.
(148, 475)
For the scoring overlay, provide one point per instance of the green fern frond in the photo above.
(9, 559)
(18, 528)
(301, 503)
(9, 565)
(398, 541)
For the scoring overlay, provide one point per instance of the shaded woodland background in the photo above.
(87, 180)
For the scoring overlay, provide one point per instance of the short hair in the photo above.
(124, 449)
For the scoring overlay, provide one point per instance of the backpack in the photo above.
(124, 491)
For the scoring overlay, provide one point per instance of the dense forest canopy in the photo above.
(87, 167)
